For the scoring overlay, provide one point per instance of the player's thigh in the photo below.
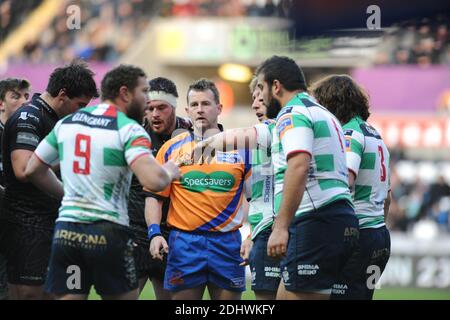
(320, 244)
(111, 261)
(217, 293)
(189, 294)
(130, 295)
(283, 294)
(224, 261)
(265, 270)
(158, 288)
(187, 261)
(72, 297)
(68, 273)
(28, 256)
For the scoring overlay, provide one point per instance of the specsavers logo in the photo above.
(218, 181)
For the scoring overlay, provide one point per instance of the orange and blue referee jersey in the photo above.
(209, 195)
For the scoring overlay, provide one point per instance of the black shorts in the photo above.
(146, 266)
(320, 244)
(265, 270)
(98, 254)
(27, 250)
(3, 278)
(373, 252)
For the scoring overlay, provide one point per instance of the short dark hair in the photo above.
(11, 84)
(342, 96)
(123, 75)
(285, 70)
(76, 78)
(163, 84)
(204, 84)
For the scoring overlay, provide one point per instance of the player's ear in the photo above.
(219, 108)
(62, 94)
(276, 87)
(124, 93)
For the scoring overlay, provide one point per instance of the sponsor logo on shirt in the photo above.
(218, 181)
(27, 138)
(23, 116)
(284, 125)
(91, 120)
(227, 157)
(348, 143)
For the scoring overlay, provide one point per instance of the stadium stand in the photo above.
(423, 42)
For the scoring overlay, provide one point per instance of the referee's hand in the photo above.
(158, 247)
(246, 247)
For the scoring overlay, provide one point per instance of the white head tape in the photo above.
(164, 96)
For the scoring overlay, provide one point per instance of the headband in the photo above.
(164, 96)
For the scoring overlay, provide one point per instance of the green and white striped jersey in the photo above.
(260, 214)
(95, 147)
(368, 158)
(305, 126)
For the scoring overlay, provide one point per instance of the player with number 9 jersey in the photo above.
(98, 148)
(95, 146)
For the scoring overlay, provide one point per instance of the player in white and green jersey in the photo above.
(368, 164)
(95, 190)
(264, 269)
(315, 230)
(260, 214)
(97, 149)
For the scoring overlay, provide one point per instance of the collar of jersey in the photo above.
(37, 100)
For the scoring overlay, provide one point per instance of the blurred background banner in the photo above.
(38, 74)
(406, 88)
(403, 63)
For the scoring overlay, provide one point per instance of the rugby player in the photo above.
(204, 242)
(368, 165)
(13, 94)
(315, 229)
(161, 123)
(30, 213)
(96, 148)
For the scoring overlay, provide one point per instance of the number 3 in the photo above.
(383, 167)
(84, 153)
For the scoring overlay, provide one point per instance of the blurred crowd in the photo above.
(423, 42)
(418, 200)
(108, 28)
(226, 8)
(12, 15)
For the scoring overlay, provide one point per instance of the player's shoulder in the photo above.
(353, 126)
(269, 122)
(124, 121)
(300, 104)
(28, 112)
(359, 127)
(177, 141)
(183, 123)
